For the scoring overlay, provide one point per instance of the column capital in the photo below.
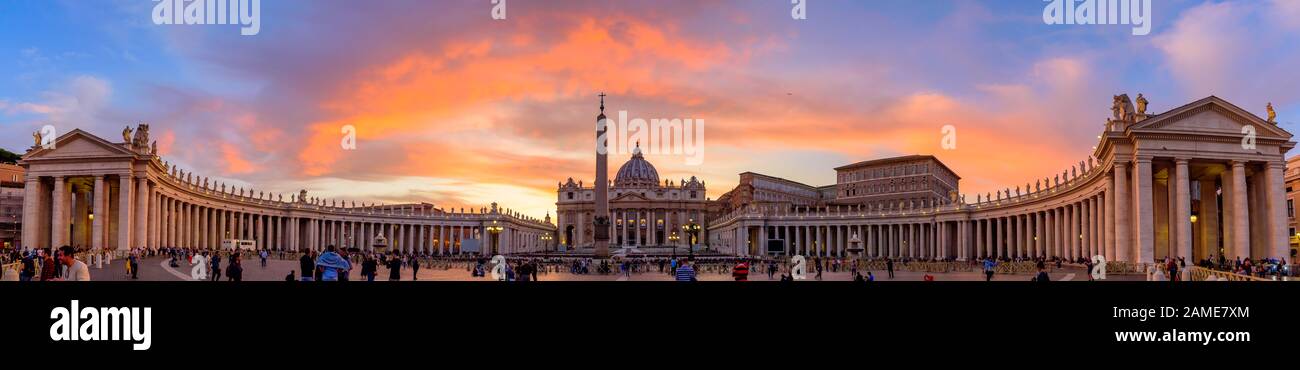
(1142, 159)
(1181, 161)
(1237, 163)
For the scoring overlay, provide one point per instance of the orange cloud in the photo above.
(234, 161)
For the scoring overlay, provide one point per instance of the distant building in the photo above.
(896, 183)
(11, 205)
(906, 182)
(1292, 197)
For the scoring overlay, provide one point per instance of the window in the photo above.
(1290, 208)
(692, 194)
(570, 195)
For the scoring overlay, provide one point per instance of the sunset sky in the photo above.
(454, 108)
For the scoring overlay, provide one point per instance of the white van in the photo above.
(233, 244)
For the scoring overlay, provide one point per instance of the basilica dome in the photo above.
(637, 172)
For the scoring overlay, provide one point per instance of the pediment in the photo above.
(1211, 115)
(629, 197)
(78, 144)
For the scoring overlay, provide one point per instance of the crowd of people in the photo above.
(337, 264)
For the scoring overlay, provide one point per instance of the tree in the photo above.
(8, 156)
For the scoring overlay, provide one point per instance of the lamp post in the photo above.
(693, 229)
(546, 241)
(494, 229)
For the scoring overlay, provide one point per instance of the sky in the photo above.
(455, 108)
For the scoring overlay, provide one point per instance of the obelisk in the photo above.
(601, 218)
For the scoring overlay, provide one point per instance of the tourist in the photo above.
(685, 272)
(331, 264)
(1043, 277)
(29, 267)
(394, 269)
(989, 264)
(870, 277)
(49, 267)
(345, 274)
(889, 265)
(263, 254)
(216, 266)
(817, 264)
(415, 268)
(235, 272)
(307, 266)
(741, 271)
(1172, 266)
(369, 267)
(1088, 266)
(289, 277)
(76, 270)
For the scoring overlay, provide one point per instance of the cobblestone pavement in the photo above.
(157, 269)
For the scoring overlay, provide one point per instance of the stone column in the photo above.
(97, 225)
(124, 212)
(141, 211)
(1182, 210)
(1142, 201)
(1088, 209)
(1022, 235)
(1276, 201)
(1208, 220)
(31, 211)
(59, 214)
(1123, 244)
(1240, 219)
(982, 239)
(419, 238)
(1076, 233)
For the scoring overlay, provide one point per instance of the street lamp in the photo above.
(693, 229)
(546, 241)
(494, 229)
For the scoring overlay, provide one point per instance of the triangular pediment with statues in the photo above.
(77, 144)
(1211, 115)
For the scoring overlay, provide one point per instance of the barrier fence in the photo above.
(1205, 274)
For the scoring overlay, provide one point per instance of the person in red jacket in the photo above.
(741, 272)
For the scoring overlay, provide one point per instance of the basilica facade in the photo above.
(646, 212)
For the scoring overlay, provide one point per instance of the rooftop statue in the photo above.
(36, 138)
(1272, 115)
(126, 135)
(1122, 108)
(1141, 104)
